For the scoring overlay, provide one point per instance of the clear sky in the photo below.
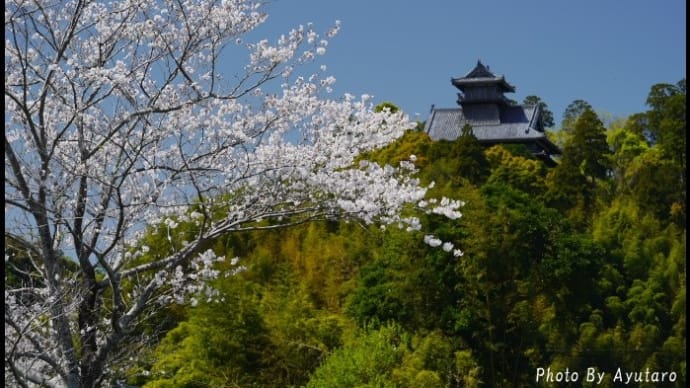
(607, 52)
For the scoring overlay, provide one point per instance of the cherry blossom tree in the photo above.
(121, 115)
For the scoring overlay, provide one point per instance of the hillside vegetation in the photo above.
(577, 266)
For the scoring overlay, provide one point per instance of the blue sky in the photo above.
(606, 52)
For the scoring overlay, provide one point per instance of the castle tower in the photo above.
(494, 118)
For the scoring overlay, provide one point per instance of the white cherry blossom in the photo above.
(119, 116)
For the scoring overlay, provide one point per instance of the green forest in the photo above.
(564, 268)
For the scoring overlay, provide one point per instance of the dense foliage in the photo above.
(577, 266)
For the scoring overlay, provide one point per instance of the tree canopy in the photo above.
(559, 267)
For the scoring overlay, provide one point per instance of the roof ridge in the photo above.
(481, 71)
(535, 114)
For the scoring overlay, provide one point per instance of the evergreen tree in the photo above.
(573, 112)
(472, 163)
(460, 160)
(588, 146)
(572, 184)
(666, 121)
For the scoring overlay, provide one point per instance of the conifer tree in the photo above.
(471, 161)
(588, 147)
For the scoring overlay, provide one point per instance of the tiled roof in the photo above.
(481, 75)
(479, 71)
(445, 123)
(493, 119)
(461, 83)
(518, 124)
